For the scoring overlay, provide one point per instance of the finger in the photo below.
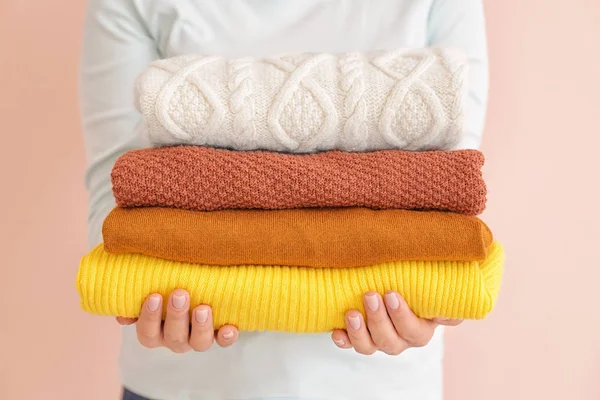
(148, 326)
(126, 321)
(383, 332)
(358, 334)
(177, 322)
(341, 339)
(227, 335)
(415, 331)
(203, 332)
(447, 321)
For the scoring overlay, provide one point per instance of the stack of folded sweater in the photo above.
(273, 240)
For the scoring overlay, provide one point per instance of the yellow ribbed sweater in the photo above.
(290, 299)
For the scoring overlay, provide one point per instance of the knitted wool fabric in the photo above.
(291, 299)
(410, 99)
(334, 237)
(207, 179)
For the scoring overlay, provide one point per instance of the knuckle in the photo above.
(385, 344)
(150, 345)
(420, 340)
(393, 351)
(178, 346)
(147, 332)
(417, 342)
(177, 314)
(147, 341)
(377, 318)
(177, 341)
(180, 349)
(365, 351)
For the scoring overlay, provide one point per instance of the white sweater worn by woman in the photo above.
(121, 37)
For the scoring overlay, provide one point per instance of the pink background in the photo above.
(542, 170)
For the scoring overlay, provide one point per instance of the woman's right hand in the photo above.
(175, 333)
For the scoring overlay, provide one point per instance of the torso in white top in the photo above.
(122, 37)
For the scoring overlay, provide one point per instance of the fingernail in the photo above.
(441, 320)
(339, 342)
(228, 335)
(354, 322)
(202, 316)
(178, 301)
(372, 302)
(153, 303)
(391, 299)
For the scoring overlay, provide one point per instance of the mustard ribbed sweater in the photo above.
(291, 299)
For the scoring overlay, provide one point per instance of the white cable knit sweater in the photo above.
(306, 102)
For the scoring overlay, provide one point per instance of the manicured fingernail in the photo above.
(202, 316)
(354, 322)
(339, 342)
(372, 302)
(441, 320)
(153, 303)
(178, 301)
(391, 299)
(228, 335)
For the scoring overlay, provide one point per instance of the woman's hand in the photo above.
(391, 326)
(175, 333)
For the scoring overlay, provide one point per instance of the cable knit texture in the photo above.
(409, 99)
(206, 179)
(292, 299)
(336, 237)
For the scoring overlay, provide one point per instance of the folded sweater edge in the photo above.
(293, 299)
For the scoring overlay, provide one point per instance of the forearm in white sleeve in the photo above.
(460, 24)
(116, 49)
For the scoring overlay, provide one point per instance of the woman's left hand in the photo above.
(391, 327)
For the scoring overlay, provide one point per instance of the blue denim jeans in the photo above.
(127, 395)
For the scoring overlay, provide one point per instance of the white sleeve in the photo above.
(461, 24)
(116, 49)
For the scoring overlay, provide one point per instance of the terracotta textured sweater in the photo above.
(292, 299)
(331, 237)
(201, 178)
